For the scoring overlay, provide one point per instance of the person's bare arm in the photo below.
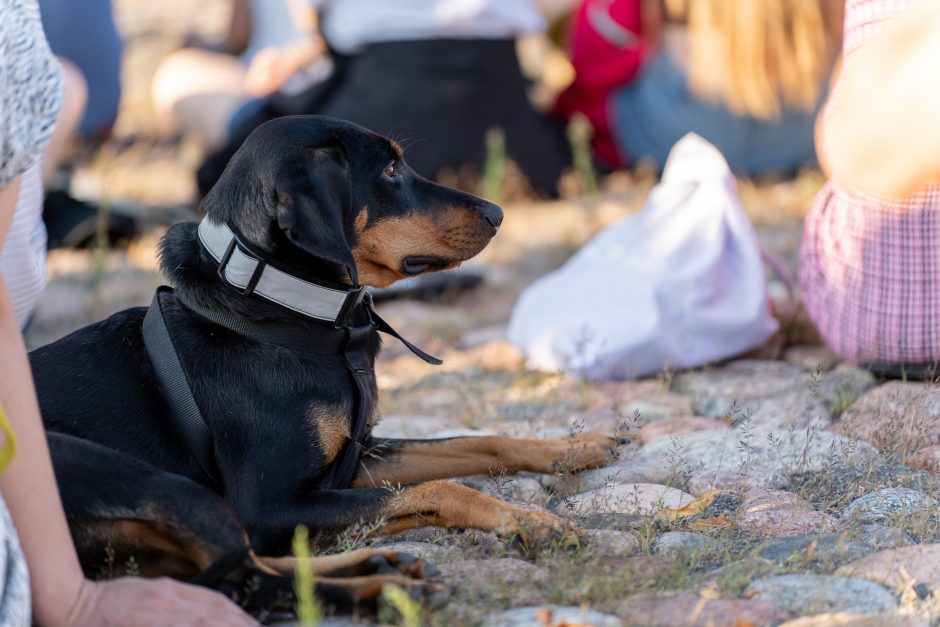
(272, 66)
(61, 594)
(881, 132)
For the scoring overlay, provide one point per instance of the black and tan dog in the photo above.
(329, 206)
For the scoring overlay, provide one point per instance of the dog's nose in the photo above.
(492, 214)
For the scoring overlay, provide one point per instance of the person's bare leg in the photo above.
(74, 101)
(197, 91)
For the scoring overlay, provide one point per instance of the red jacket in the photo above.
(606, 47)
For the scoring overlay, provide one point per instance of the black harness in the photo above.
(352, 340)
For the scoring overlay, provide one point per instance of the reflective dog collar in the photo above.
(240, 269)
(245, 272)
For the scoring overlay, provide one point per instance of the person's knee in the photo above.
(191, 72)
(166, 89)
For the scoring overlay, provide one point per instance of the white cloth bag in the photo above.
(677, 285)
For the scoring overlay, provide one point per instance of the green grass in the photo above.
(309, 612)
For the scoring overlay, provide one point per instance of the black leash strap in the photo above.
(350, 341)
(385, 327)
(176, 389)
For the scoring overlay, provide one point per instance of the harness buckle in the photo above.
(255, 275)
(353, 299)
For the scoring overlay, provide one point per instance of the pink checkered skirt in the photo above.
(870, 275)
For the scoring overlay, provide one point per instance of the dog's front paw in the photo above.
(394, 562)
(347, 591)
(533, 527)
(577, 452)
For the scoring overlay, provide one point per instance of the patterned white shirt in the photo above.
(30, 95)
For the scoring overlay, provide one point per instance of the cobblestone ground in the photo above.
(785, 488)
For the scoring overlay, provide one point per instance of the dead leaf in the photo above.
(692, 508)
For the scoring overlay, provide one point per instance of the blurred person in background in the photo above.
(870, 263)
(84, 33)
(49, 587)
(84, 37)
(435, 74)
(208, 87)
(747, 75)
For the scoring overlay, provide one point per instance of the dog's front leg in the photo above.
(454, 506)
(394, 509)
(412, 461)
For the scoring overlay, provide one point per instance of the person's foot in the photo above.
(430, 286)
(73, 223)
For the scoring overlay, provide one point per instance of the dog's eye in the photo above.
(391, 170)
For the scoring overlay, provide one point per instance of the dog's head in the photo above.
(310, 189)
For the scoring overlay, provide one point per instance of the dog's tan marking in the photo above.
(350, 571)
(157, 552)
(451, 505)
(361, 220)
(425, 461)
(453, 236)
(331, 424)
(368, 587)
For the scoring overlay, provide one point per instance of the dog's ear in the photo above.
(313, 198)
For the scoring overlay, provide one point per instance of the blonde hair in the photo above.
(768, 53)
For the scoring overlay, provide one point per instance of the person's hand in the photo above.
(272, 66)
(151, 602)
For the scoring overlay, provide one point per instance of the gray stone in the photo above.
(689, 610)
(784, 452)
(482, 335)
(792, 409)
(844, 619)
(744, 570)
(612, 521)
(421, 535)
(899, 416)
(887, 504)
(514, 488)
(900, 567)
(736, 481)
(473, 542)
(742, 379)
(772, 394)
(413, 426)
(879, 536)
(644, 499)
(640, 402)
(632, 469)
(424, 550)
(610, 543)
(686, 544)
(538, 616)
(777, 513)
(678, 425)
(495, 577)
(547, 433)
(824, 548)
(843, 386)
(507, 570)
(458, 432)
(801, 595)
